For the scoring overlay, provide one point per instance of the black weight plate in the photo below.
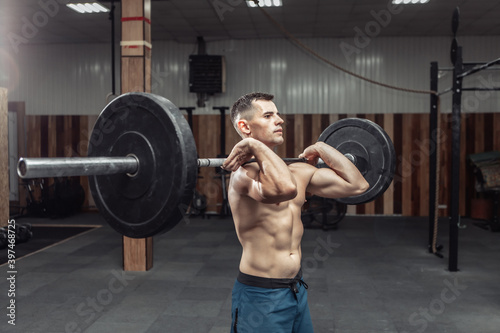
(152, 129)
(373, 149)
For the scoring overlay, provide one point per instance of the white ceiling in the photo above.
(184, 20)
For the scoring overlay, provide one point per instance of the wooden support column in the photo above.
(136, 76)
(19, 109)
(4, 158)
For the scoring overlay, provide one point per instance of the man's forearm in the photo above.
(339, 163)
(276, 179)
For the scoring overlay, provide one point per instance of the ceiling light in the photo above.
(75, 7)
(265, 3)
(88, 7)
(409, 2)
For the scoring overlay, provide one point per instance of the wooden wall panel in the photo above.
(470, 145)
(488, 131)
(370, 206)
(413, 159)
(298, 146)
(307, 131)
(289, 133)
(444, 164)
(331, 119)
(65, 142)
(316, 127)
(232, 137)
(33, 140)
(44, 136)
(463, 157)
(496, 131)
(208, 145)
(388, 207)
(422, 144)
(82, 150)
(379, 202)
(478, 120)
(60, 136)
(53, 131)
(406, 167)
(398, 177)
(407, 195)
(360, 209)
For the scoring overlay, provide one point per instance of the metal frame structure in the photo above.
(460, 71)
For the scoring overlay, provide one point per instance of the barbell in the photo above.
(142, 162)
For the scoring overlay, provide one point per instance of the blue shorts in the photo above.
(270, 305)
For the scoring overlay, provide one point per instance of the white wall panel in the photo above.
(63, 79)
(304, 84)
(170, 72)
(75, 79)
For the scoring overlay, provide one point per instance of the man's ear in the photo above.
(243, 126)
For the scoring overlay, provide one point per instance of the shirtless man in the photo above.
(266, 197)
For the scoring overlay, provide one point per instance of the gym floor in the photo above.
(373, 274)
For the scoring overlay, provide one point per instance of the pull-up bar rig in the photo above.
(474, 68)
(460, 71)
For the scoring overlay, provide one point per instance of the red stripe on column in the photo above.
(135, 46)
(136, 18)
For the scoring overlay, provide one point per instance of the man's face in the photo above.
(265, 124)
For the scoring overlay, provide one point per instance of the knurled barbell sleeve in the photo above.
(211, 162)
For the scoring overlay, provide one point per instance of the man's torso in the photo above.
(270, 234)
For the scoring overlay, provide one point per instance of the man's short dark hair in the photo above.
(244, 103)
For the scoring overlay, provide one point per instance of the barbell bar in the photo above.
(143, 164)
(41, 167)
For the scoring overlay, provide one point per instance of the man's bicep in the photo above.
(328, 184)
